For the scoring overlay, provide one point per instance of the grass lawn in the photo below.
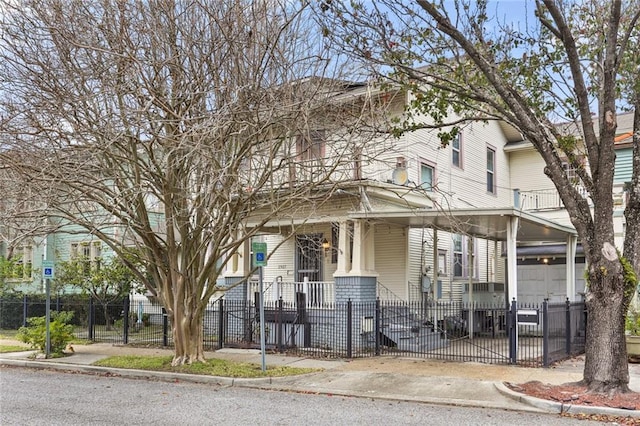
(13, 348)
(212, 367)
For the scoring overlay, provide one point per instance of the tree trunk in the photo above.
(606, 365)
(187, 335)
(107, 317)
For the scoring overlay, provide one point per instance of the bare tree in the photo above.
(167, 125)
(562, 62)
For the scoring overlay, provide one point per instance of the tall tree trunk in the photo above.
(187, 329)
(107, 317)
(606, 366)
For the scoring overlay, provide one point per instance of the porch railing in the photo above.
(319, 294)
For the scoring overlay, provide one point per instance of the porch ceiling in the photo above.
(486, 223)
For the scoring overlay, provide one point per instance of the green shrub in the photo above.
(61, 332)
(632, 322)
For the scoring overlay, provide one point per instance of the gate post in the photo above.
(25, 310)
(279, 326)
(302, 318)
(349, 329)
(221, 323)
(165, 328)
(513, 332)
(568, 326)
(545, 333)
(91, 318)
(125, 319)
(377, 327)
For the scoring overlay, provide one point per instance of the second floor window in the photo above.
(90, 254)
(491, 170)
(310, 152)
(311, 147)
(22, 268)
(456, 151)
(427, 174)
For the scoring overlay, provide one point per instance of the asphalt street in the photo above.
(46, 397)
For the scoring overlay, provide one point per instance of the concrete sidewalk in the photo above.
(393, 378)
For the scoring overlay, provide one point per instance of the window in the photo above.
(491, 170)
(461, 256)
(456, 151)
(310, 150)
(90, 254)
(23, 266)
(357, 163)
(427, 174)
(311, 147)
(442, 262)
(458, 256)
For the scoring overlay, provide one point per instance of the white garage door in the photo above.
(539, 282)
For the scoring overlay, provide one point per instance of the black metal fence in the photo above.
(535, 335)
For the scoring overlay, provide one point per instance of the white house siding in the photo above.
(420, 255)
(281, 262)
(469, 183)
(391, 244)
(527, 171)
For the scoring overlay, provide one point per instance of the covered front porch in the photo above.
(366, 256)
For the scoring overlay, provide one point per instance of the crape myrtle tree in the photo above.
(167, 126)
(571, 62)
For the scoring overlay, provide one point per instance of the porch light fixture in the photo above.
(326, 244)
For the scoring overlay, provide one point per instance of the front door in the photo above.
(309, 256)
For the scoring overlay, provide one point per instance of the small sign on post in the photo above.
(259, 253)
(48, 269)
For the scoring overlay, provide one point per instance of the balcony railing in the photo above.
(545, 199)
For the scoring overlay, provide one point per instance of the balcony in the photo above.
(544, 199)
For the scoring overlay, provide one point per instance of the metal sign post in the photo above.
(260, 260)
(263, 343)
(47, 275)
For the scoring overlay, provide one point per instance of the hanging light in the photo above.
(326, 244)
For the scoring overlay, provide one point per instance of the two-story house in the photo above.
(421, 223)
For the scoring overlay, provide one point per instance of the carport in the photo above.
(498, 224)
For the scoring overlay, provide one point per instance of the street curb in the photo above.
(559, 407)
(283, 384)
(145, 374)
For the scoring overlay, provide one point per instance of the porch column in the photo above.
(358, 281)
(344, 253)
(572, 243)
(512, 260)
(434, 283)
(363, 248)
(370, 248)
(494, 274)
